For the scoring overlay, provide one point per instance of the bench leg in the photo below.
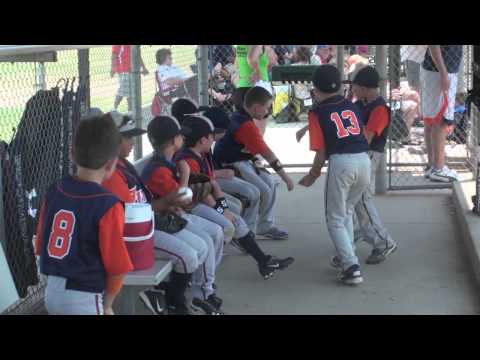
(127, 300)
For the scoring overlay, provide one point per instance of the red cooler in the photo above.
(138, 235)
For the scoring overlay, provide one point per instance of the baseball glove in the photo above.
(201, 187)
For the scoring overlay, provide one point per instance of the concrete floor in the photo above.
(429, 273)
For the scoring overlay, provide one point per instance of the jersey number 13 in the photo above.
(352, 129)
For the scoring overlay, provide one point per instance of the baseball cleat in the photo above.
(205, 307)
(379, 255)
(273, 264)
(153, 301)
(351, 276)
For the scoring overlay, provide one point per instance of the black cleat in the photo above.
(215, 301)
(153, 301)
(205, 307)
(273, 264)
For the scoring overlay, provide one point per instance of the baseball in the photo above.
(188, 193)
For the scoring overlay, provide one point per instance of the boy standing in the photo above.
(80, 230)
(335, 129)
(122, 65)
(238, 148)
(376, 116)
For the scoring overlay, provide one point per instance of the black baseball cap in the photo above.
(326, 78)
(200, 126)
(164, 128)
(185, 106)
(367, 77)
(218, 117)
(126, 124)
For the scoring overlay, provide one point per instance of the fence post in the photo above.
(84, 73)
(136, 98)
(340, 63)
(40, 82)
(202, 62)
(381, 66)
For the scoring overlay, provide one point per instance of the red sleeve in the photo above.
(378, 120)
(194, 166)
(162, 182)
(118, 185)
(249, 135)
(112, 246)
(317, 140)
(116, 49)
(40, 229)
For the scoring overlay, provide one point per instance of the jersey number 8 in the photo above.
(61, 235)
(342, 132)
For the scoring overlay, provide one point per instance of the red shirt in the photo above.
(162, 182)
(250, 136)
(123, 62)
(317, 140)
(378, 120)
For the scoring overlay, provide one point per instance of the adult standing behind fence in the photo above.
(122, 65)
(254, 62)
(438, 78)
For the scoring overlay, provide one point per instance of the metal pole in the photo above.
(3, 237)
(381, 66)
(136, 98)
(84, 73)
(40, 82)
(202, 62)
(340, 63)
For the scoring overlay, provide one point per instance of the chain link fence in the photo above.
(41, 104)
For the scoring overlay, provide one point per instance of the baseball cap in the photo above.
(185, 106)
(164, 128)
(326, 78)
(218, 117)
(126, 125)
(367, 77)
(200, 126)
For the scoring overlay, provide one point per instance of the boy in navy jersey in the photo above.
(80, 229)
(239, 148)
(376, 115)
(335, 128)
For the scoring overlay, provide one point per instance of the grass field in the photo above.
(18, 80)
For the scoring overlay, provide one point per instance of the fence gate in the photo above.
(407, 154)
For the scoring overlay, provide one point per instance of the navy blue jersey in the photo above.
(72, 216)
(227, 150)
(378, 142)
(336, 125)
(452, 57)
